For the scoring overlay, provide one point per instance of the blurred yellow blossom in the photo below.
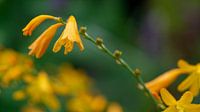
(114, 107)
(27, 31)
(13, 66)
(31, 109)
(40, 88)
(38, 91)
(192, 82)
(39, 46)
(19, 95)
(76, 81)
(87, 103)
(68, 37)
(182, 105)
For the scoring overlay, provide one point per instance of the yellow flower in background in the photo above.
(164, 80)
(192, 82)
(86, 102)
(114, 107)
(182, 105)
(31, 109)
(40, 90)
(68, 37)
(39, 46)
(19, 95)
(13, 66)
(27, 31)
(75, 81)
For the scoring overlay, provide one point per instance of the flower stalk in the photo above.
(117, 56)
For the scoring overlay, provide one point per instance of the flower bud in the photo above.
(83, 30)
(117, 54)
(99, 41)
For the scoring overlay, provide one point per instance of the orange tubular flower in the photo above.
(39, 46)
(163, 80)
(68, 37)
(27, 31)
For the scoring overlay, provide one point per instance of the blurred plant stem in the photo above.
(117, 56)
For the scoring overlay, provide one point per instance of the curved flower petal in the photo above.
(195, 87)
(167, 98)
(186, 83)
(35, 22)
(186, 66)
(186, 98)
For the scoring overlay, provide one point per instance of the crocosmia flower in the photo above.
(192, 82)
(182, 105)
(68, 37)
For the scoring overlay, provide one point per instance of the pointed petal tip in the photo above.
(72, 18)
(55, 50)
(189, 93)
(182, 63)
(167, 98)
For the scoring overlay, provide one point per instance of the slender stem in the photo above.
(123, 64)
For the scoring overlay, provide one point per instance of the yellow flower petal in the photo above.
(186, 83)
(35, 22)
(170, 109)
(186, 66)
(186, 98)
(167, 98)
(39, 46)
(192, 108)
(68, 37)
(183, 105)
(195, 87)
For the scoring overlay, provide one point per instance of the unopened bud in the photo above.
(99, 41)
(83, 30)
(140, 86)
(137, 72)
(118, 62)
(117, 54)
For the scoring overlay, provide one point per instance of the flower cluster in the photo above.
(14, 66)
(69, 35)
(191, 83)
(182, 105)
(43, 90)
